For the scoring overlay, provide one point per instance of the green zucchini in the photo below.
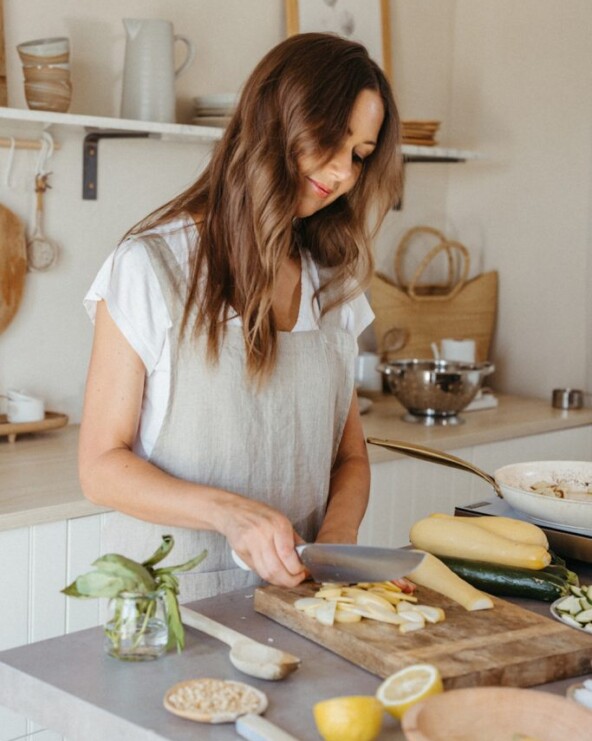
(556, 559)
(510, 581)
(562, 571)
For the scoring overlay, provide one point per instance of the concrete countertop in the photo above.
(70, 685)
(39, 477)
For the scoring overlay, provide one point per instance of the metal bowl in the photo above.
(434, 391)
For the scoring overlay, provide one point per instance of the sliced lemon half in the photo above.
(353, 718)
(406, 687)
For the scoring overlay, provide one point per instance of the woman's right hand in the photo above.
(265, 540)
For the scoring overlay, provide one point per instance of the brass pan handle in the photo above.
(431, 455)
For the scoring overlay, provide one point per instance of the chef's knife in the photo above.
(353, 563)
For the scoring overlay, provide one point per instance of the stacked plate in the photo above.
(422, 133)
(213, 110)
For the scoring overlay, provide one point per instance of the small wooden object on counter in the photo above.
(52, 421)
(208, 700)
(507, 646)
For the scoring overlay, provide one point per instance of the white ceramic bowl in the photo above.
(515, 481)
(216, 101)
(45, 47)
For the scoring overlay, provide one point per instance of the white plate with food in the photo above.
(575, 609)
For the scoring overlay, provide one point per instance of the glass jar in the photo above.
(137, 629)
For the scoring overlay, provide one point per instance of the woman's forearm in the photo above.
(121, 480)
(350, 484)
(348, 500)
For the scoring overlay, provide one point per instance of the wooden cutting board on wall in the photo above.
(13, 265)
(506, 646)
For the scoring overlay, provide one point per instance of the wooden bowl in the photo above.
(497, 714)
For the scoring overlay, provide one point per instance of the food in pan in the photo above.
(562, 489)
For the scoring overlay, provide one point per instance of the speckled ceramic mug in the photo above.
(46, 69)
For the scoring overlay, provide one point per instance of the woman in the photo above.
(220, 403)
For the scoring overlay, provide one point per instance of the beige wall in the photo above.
(511, 79)
(522, 94)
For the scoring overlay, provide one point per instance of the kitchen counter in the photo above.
(514, 417)
(39, 478)
(70, 685)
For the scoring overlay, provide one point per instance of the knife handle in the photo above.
(239, 561)
(255, 728)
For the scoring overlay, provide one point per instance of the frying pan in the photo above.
(13, 265)
(513, 483)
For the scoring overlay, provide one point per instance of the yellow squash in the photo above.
(457, 539)
(434, 574)
(517, 530)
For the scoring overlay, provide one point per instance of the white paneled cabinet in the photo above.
(40, 560)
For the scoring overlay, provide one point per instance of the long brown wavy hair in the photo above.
(297, 101)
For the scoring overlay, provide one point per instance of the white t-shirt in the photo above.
(129, 286)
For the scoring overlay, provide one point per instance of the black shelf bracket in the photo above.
(415, 158)
(90, 156)
(410, 159)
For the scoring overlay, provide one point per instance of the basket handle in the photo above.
(449, 246)
(403, 246)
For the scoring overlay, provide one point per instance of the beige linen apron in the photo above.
(276, 445)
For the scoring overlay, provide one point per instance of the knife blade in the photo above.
(353, 563)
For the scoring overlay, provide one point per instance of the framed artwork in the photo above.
(367, 22)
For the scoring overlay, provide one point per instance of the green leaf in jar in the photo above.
(169, 582)
(161, 552)
(176, 631)
(99, 584)
(187, 566)
(131, 571)
(72, 591)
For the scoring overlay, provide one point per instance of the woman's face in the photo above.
(321, 182)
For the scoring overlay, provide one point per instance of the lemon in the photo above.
(406, 687)
(354, 718)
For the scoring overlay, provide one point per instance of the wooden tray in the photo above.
(52, 421)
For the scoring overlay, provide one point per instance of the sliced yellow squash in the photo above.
(433, 574)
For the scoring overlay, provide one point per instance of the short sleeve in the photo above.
(358, 315)
(128, 285)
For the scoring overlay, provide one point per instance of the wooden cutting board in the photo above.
(507, 646)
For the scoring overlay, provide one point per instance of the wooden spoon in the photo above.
(42, 252)
(247, 655)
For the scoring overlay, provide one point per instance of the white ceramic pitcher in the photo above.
(149, 72)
